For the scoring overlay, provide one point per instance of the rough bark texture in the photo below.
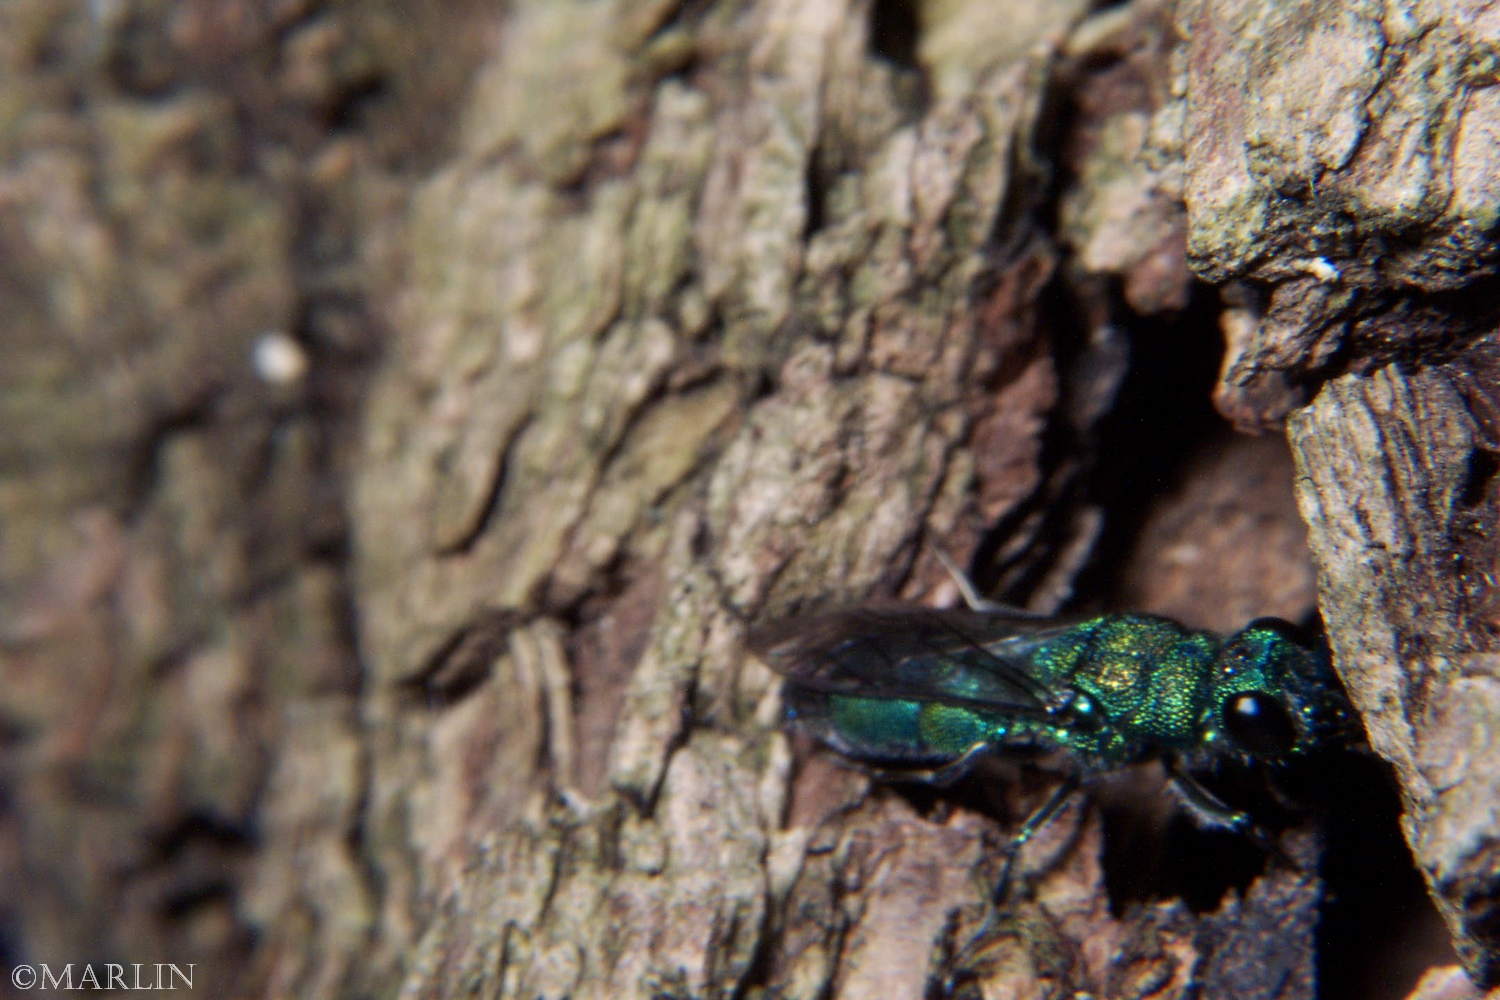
(427, 674)
(1396, 482)
(1357, 147)
(197, 202)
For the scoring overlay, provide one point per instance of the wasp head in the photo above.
(1276, 695)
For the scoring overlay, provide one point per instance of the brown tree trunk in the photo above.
(412, 410)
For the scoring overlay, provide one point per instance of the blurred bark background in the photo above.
(407, 409)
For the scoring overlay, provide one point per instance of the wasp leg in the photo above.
(1285, 799)
(1210, 812)
(1038, 819)
(970, 593)
(943, 776)
(953, 771)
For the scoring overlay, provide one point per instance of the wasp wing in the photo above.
(965, 658)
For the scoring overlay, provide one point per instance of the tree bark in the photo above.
(1351, 191)
(414, 411)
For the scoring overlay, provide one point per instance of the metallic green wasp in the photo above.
(927, 693)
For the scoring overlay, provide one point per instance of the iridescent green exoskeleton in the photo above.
(927, 693)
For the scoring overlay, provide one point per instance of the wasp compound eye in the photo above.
(1259, 724)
